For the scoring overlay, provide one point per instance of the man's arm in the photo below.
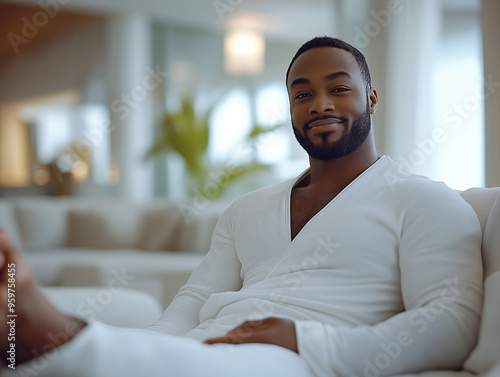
(218, 272)
(36, 322)
(441, 287)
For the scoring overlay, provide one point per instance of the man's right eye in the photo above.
(302, 95)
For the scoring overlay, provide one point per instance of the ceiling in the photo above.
(293, 20)
(12, 23)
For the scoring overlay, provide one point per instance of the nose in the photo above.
(321, 103)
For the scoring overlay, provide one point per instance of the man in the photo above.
(354, 268)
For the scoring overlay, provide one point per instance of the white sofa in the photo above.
(68, 258)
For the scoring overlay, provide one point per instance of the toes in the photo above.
(6, 246)
(5, 241)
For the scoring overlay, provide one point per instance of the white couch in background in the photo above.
(123, 308)
(151, 247)
(63, 249)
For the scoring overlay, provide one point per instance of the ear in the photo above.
(373, 98)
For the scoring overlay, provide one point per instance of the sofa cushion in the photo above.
(42, 222)
(104, 225)
(198, 226)
(161, 227)
(486, 353)
(117, 307)
(8, 222)
(180, 226)
(160, 274)
(491, 241)
(481, 200)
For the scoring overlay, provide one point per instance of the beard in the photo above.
(350, 141)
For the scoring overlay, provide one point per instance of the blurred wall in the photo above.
(490, 15)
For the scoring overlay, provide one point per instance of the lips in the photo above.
(325, 124)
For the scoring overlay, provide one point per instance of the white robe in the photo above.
(385, 279)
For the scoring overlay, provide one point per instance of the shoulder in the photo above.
(419, 195)
(260, 201)
(417, 188)
(264, 195)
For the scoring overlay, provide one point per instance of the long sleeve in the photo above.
(441, 280)
(218, 272)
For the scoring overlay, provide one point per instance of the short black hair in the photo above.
(337, 43)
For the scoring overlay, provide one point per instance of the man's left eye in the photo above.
(339, 90)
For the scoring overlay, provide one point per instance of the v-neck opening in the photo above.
(288, 198)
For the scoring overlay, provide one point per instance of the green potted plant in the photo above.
(187, 134)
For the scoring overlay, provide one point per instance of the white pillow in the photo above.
(108, 226)
(126, 308)
(8, 222)
(487, 352)
(161, 228)
(42, 222)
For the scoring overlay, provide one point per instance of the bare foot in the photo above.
(15, 278)
(29, 325)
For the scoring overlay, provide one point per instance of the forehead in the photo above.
(321, 61)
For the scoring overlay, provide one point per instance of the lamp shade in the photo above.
(244, 52)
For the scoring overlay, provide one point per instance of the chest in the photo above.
(304, 206)
(341, 235)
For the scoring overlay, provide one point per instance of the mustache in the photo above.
(310, 121)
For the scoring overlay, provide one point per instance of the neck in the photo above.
(334, 175)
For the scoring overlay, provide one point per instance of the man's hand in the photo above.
(38, 327)
(277, 331)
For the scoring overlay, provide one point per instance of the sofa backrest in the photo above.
(40, 223)
(44, 223)
(481, 200)
(486, 354)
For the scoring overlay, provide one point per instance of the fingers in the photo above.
(7, 252)
(5, 247)
(231, 338)
(247, 332)
(277, 331)
(221, 339)
(5, 242)
(9, 256)
(4, 238)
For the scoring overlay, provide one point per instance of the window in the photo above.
(76, 139)
(458, 92)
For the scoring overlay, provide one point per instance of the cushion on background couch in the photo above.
(161, 228)
(42, 223)
(109, 227)
(136, 309)
(8, 222)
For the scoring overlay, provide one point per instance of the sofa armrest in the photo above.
(123, 308)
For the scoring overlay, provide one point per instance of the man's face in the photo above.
(329, 104)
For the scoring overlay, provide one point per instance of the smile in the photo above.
(325, 125)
